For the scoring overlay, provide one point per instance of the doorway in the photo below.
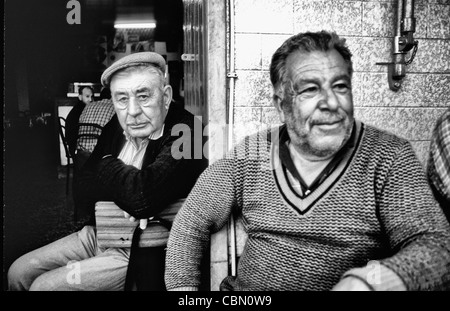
(44, 56)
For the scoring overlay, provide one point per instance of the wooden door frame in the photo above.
(216, 75)
(216, 98)
(215, 113)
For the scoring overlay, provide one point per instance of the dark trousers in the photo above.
(78, 161)
(146, 266)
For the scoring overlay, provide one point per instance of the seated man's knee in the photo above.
(19, 275)
(45, 283)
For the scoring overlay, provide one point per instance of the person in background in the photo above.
(327, 202)
(99, 113)
(134, 166)
(438, 167)
(85, 97)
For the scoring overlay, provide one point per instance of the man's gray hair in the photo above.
(305, 42)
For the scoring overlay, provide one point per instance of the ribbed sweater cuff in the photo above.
(184, 289)
(378, 277)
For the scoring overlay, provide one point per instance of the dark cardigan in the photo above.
(162, 179)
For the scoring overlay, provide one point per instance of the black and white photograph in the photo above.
(203, 147)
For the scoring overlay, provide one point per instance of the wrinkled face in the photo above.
(141, 102)
(87, 96)
(318, 111)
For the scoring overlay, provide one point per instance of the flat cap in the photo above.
(134, 59)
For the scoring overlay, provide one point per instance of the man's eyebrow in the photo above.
(119, 93)
(143, 89)
(302, 81)
(307, 80)
(343, 76)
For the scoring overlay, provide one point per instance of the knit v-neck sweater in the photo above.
(376, 205)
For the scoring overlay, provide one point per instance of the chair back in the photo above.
(62, 135)
(114, 230)
(69, 157)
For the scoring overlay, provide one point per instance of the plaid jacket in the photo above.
(438, 169)
(100, 113)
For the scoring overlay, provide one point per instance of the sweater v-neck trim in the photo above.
(303, 204)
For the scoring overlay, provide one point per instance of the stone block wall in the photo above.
(369, 26)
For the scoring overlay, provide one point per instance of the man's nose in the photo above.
(133, 107)
(329, 100)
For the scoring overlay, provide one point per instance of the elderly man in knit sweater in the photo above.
(328, 203)
(132, 164)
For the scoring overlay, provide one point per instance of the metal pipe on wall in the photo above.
(403, 42)
(399, 66)
(398, 21)
(408, 24)
(231, 75)
(231, 80)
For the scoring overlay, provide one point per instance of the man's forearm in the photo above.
(423, 263)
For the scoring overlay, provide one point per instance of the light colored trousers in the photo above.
(72, 263)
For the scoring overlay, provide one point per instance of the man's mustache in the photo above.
(328, 119)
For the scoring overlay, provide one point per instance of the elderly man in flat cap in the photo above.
(132, 165)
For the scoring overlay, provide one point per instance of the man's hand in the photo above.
(142, 222)
(351, 283)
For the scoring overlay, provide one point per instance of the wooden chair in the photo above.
(114, 230)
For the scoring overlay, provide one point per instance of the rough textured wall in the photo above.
(262, 25)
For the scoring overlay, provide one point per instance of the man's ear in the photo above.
(167, 96)
(80, 97)
(277, 102)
